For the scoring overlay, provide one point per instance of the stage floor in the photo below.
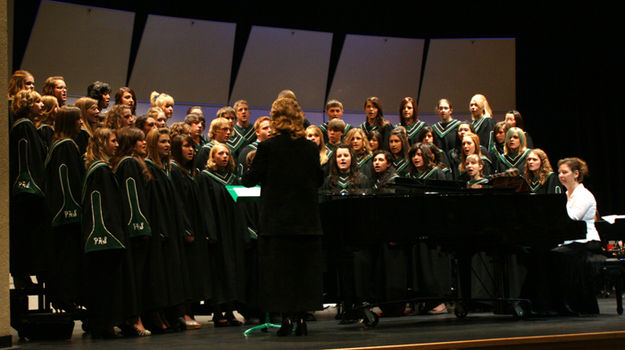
(326, 333)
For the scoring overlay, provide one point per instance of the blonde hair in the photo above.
(158, 99)
(477, 159)
(518, 132)
(323, 156)
(17, 82)
(482, 102)
(152, 146)
(216, 123)
(84, 103)
(365, 141)
(97, 143)
(23, 102)
(49, 104)
(287, 117)
(478, 151)
(210, 163)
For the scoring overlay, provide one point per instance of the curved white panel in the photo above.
(189, 59)
(277, 59)
(83, 44)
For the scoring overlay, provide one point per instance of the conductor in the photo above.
(287, 168)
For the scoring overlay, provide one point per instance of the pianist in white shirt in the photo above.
(581, 204)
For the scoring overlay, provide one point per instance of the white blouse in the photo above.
(582, 205)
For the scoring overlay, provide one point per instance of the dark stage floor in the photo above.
(327, 334)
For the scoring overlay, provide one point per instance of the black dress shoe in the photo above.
(286, 328)
(301, 328)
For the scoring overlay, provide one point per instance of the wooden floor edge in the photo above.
(498, 342)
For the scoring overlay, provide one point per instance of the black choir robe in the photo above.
(168, 224)
(64, 175)
(447, 135)
(108, 289)
(27, 208)
(198, 211)
(232, 236)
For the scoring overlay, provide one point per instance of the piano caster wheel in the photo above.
(370, 319)
(520, 310)
(461, 311)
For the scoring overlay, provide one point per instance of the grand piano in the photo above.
(461, 221)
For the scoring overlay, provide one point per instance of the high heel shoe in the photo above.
(286, 328)
(301, 328)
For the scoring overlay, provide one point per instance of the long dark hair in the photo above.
(380, 122)
(176, 153)
(120, 93)
(127, 138)
(65, 122)
(354, 173)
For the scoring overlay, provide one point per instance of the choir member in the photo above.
(344, 178)
(90, 116)
(262, 128)
(384, 172)
(471, 145)
(375, 121)
(55, 86)
(232, 235)
(423, 164)
(195, 129)
(218, 133)
(481, 115)
(375, 140)
(445, 129)
(475, 166)
(243, 126)
(133, 176)
(168, 222)
(336, 130)
(409, 119)
(126, 96)
(101, 92)
(46, 124)
(145, 123)
(27, 208)
(20, 80)
(497, 139)
(179, 128)
(196, 109)
(363, 157)
(198, 211)
(236, 141)
(164, 101)
(157, 114)
(118, 117)
(454, 155)
(515, 151)
(108, 287)
(334, 110)
(64, 173)
(290, 227)
(314, 134)
(539, 174)
(399, 147)
(427, 135)
(515, 119)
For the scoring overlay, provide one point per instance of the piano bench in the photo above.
(613, 272)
